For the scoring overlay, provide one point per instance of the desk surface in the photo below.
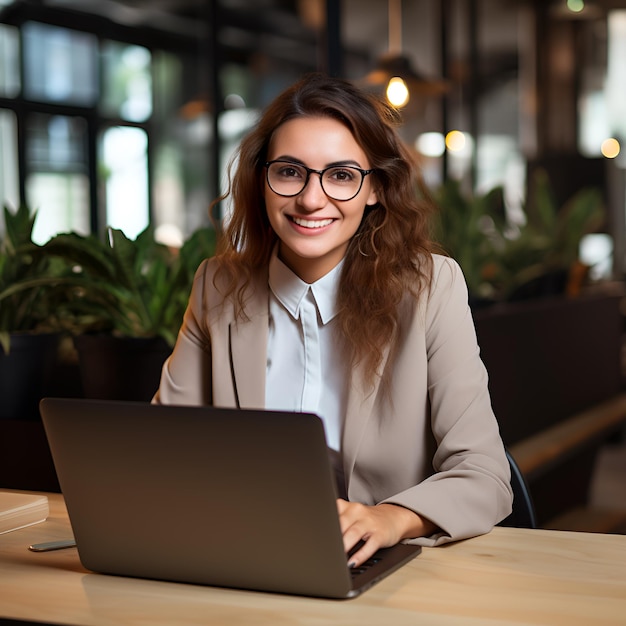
(510, 576)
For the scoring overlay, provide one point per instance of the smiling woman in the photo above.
(313, 224)
(327, 297)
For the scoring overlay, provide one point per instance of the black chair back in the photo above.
(523, 514)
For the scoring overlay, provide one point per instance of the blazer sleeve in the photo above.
(186, 375)
(469, 491)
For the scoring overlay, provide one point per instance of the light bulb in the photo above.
(397, 92)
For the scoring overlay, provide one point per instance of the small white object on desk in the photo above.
(18, 510)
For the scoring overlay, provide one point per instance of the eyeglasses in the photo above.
(339, 182)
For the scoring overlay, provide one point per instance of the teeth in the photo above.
(311, 223)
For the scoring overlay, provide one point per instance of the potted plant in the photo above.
(504, 261)
(129, 297)
(32, 315)
(543, 257)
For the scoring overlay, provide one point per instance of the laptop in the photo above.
(224, 497)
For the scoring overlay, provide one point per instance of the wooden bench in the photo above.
(565, 443)
(538, 453)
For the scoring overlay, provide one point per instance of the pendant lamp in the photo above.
(394, 72)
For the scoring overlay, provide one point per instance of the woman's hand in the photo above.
(378, 526)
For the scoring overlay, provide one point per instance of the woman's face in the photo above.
(314, 230)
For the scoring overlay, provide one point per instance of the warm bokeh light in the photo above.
(455, 141)
(610, 148)
(397, 92)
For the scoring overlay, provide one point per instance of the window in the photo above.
(75, 89)
(60, 65)
(124, 166)
(127, 82)
(9, 61)
(57, 182)
(9, 181)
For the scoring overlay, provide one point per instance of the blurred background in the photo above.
(126, 112)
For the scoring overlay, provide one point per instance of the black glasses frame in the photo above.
(320, 173)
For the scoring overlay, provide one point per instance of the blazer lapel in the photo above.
(248, 350)
(360, 410)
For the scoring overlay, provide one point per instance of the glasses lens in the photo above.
(342, 183)
(286, 179)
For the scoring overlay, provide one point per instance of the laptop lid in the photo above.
(224, 497)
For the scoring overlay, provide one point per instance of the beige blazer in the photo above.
(432, 444)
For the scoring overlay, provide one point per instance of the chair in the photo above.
(523, 514)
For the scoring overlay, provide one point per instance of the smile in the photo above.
(311, 223)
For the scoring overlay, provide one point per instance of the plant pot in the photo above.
(26, 374)
(120, 368)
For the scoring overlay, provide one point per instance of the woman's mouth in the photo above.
(311, 223)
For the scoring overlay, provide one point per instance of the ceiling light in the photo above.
(394, 73)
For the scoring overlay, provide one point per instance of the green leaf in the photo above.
(19, 226)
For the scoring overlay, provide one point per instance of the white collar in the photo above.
(290, 290)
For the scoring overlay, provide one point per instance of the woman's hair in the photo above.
(389, 256)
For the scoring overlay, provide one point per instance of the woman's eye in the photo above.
(341, 175)
(290, 172)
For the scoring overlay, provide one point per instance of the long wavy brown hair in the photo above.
(388, 258)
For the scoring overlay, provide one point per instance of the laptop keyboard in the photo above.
(356, 571)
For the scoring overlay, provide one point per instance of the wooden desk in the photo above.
(509, 576)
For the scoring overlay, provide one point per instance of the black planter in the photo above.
(120, 368)
(26, 374)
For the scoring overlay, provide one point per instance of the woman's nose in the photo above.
(312, 197)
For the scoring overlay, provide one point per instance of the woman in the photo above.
(326, 297)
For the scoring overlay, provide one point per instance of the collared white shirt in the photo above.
(305, 371)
